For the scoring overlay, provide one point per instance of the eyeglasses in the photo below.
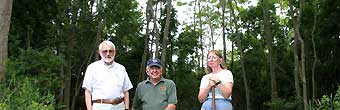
(213, 57)
(105, 51)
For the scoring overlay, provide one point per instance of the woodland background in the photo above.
(284, 53)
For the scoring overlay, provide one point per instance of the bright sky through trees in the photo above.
(185, 14)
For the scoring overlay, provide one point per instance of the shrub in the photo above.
(329, 102)
(33, 78)
(22, 94)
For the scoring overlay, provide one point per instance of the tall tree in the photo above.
(296, 64)
(155, 31)
(71, 45)
(5, 18)
(269, 42)
(223, 3)
(166, 34)
(302, 50)
(148, 14)
(314, 50)
(297, 13)
(239, 45)
(201, 32)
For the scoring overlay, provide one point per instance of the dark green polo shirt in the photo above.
(154, 97)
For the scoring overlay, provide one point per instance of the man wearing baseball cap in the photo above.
(156, 92)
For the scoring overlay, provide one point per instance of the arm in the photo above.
(127, 85)
(203, 93)
(126, 99)
(172, 97)
(225, 89)
(88, 100)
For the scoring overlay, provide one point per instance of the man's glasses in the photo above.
(105, 51)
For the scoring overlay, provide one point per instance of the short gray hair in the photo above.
(106, 42)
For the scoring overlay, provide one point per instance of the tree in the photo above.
(148, 14)
(223, 3)
(298, 40)
(239, 45)
(5, 16)
(186, 68)
(166, 33)
(269, 42)
(314, 49)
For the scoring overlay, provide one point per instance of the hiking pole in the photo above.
(213, 98)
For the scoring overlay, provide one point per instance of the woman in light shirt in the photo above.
(219, 77)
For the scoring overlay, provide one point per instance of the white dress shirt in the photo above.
(106, 81)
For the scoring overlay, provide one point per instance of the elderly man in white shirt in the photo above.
(106, 82)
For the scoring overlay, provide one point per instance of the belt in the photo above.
(109, 101)
(229, 100)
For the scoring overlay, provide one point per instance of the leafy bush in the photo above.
(44, 65)
(33, 78)
(22, 94)
(329, 102)
(283, 104)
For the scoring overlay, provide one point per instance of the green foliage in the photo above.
(71, 29)
(186, 73)
(44, 65)
(33, 79)
(21, 93)
(328, 102)
(284, 104)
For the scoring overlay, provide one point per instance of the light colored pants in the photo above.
(99, 106)
(221, 104)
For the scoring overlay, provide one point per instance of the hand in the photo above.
(215, 79)
(117, 101)
(211, 84)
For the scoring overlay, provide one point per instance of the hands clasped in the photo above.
(214, 80)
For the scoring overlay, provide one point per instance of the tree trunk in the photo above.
(298, 40)
(155, 32)
(195, 29)
(212, 43)
(201, 33)
(296, 60)
(296, 70)
(146, 40)
(269, 42)
(239, 45)
(211, 29)
(5, 19)
(71, 44)
(302, 47)
(67, 85)
(314, 55)
(165, 36)
(223, 2)
(194, 19)
(232, 49)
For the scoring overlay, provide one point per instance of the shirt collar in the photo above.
(106, 65)
(148, 80)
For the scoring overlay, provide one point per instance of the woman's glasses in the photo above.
(213, 57)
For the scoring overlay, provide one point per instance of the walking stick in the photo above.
(213, 98)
